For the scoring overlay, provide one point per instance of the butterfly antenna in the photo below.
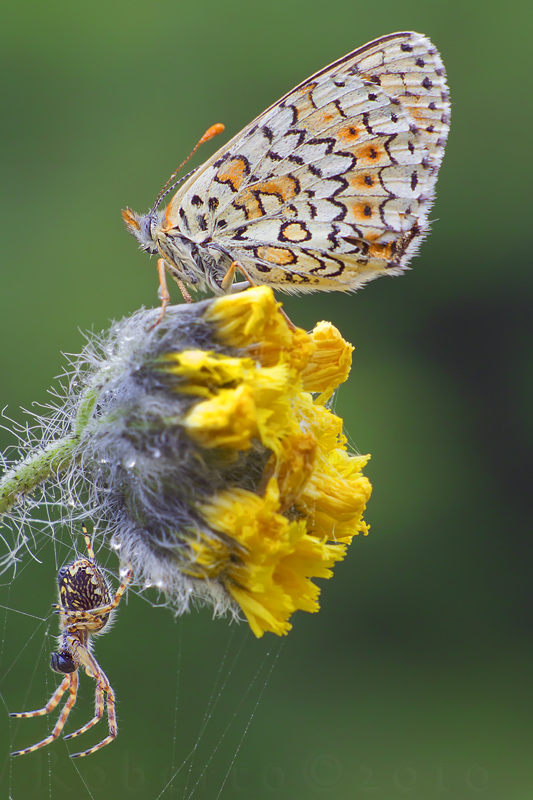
(210, 133)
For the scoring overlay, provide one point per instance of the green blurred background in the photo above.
(415, 678)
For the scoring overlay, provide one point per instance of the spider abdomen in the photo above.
(83, 587)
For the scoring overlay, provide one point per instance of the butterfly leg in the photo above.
(163, 292)
(288, 320)
(184, 293)
(227, 280)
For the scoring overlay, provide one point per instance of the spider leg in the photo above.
(112, 718)
(87, 622)
(52, 703)
(98, 713)
(103, 687)
(116, 600)
(71, 682)
(88, 542)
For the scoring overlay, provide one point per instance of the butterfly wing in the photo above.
(332, 185)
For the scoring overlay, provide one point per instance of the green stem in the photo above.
(35, 469)
(51, 460)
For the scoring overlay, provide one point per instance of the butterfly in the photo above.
(327, 189)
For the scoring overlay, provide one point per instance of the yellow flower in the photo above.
(312, 494)
(205, 447)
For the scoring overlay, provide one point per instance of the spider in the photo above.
(84, 609)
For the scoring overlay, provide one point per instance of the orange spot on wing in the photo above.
(361, 211)
(232, 172)
(285, 186)
(372, 153)
(250, 205)
(295, 232)
(359, 181)
(276, 255)
(348, 134)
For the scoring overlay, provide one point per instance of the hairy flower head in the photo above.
(206, 448)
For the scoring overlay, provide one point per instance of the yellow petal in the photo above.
(330, 363)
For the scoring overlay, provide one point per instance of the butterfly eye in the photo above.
(147, 227)
(146, 233)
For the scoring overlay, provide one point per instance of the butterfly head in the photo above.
(142, 226)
